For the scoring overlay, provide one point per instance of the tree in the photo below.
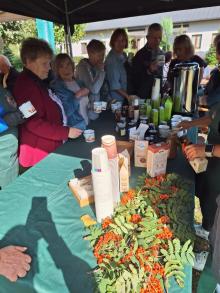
(13, 32)
(79, 32)
(167, 25)
(210, 56)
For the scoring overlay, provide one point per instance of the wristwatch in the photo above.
(209, 150)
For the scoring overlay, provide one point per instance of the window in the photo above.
(83, 48)
(197, 40)
(213, 37)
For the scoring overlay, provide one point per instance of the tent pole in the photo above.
(68, 39)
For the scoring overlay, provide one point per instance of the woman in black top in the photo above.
(183, 51)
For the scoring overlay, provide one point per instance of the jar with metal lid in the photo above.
(131, 112)
(144, 119)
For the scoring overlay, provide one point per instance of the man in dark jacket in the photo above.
(8, 74)
(147, 62)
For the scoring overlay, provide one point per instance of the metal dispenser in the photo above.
(185, 87)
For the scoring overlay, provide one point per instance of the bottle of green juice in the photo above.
(168, 109)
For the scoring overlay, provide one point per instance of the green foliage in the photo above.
(95, 232)
(13, 32)
(136, 244)
(175, 258)
(59, 34)
(14, 59)
(210, 56)
(167, 24)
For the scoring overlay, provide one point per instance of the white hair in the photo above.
(5, 59)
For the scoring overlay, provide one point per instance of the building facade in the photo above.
(201, 25)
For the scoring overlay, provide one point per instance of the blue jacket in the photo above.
(70, 104)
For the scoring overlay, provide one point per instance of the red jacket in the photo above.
(42, 133)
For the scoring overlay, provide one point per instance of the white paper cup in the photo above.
(177, 117)
(89, 135)
(100, 161)
(97, 107)
(114, 107)
(27, 109)
(164, 131)
(186, 118)
(104, 105)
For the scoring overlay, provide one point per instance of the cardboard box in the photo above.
(82, 189)
(140, 153)
(125, 145)
(199, 165)
(124, 171)
(157, 155)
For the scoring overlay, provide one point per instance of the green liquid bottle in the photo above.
(168, 109)
(156, 103)
(148, 110)
(161, 114)
(155, 116)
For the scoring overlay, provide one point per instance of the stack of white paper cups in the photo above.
(102, 184)
(109, 143)
(155, 89)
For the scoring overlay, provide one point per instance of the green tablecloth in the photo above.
(39, 211)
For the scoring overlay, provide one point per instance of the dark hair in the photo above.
(218, 47)
(185, 41)
(154, 27)
(216, 39)
(33, 48)
(168, 56)
(118, 32)
(59, 59)
(95, 46)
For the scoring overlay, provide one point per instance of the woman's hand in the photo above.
(185, 124)
(74, 132)
(195, 151)
(14, 262)
(82, 92)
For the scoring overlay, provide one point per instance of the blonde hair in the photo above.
(59, 59)
(183, 41)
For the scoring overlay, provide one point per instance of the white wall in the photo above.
(206, 28)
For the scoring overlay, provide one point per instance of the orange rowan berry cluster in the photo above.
(103, 240)
(164, 196)
(135, 218)
(153, 286)
(166, 234)
(106, 222)
(127, 197)
(164, 220)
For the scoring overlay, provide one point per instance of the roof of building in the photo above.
(6, 16)
(181, 16)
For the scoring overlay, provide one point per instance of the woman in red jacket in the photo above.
(44, 131)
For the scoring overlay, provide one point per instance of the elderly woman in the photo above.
(8, 74)
(74, 99)
(115, 65)
(46, 130)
